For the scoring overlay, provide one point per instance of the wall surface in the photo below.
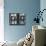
(29, 8)
(43, 6)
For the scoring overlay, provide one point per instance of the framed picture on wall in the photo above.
(16, 19)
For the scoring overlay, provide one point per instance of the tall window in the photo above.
(1, 21)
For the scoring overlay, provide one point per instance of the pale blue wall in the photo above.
(43, 6)
(29, 7)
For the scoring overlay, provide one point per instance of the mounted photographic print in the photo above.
(16, 19)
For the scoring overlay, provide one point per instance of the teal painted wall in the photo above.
(28, 7)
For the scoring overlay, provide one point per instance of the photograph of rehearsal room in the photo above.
(22, 22)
